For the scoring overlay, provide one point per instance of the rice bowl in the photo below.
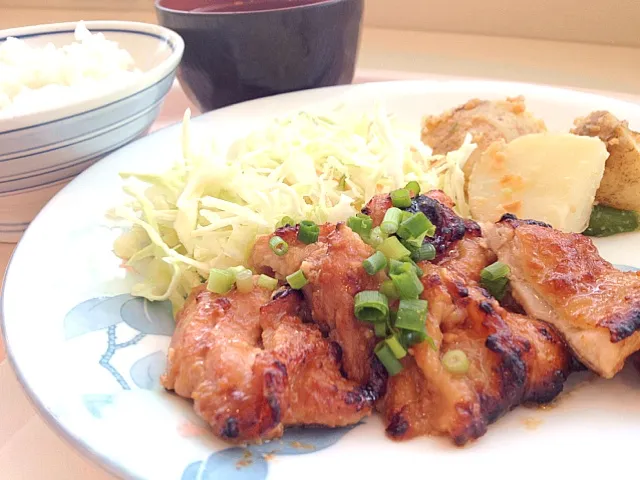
(42, 150)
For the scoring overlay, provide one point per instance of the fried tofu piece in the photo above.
(486, 121)
(560, 278)
(254, 366)
(620, 185)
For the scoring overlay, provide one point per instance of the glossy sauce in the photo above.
(252, 5)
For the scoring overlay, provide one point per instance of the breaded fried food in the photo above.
(560, 278)
(487, 121)
(254, 366)
(620, 186)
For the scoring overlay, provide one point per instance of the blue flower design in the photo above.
(97, 403)
(230, 464)
(250, 463)
(146, 372)
(151, 318)
(148, 318)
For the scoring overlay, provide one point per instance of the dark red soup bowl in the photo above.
(237, 50)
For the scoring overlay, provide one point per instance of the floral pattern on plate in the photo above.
(155, 318)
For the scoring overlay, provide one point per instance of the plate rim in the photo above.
(103, 460)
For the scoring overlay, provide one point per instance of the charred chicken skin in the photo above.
(254, 362)
(513, 359)
(253, 366)
(560, 278)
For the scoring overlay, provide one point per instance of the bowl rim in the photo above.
(319, 4)
(148, 78)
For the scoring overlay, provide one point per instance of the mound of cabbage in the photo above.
(207, 210)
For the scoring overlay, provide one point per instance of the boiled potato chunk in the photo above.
(620, 186)
(548, 177)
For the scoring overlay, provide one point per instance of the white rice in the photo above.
(38, 78)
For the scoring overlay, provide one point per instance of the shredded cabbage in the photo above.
(207, 210)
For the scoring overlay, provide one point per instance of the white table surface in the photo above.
(29, 449)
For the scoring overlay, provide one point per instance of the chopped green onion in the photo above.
(388, 359)
(297, 280)
(375, 263)
(342, 184)
(395, 346)
(495, 271)
(308, 232)
(278, 245)
(426, 251)
(235, 270)
(413, 187)
(366, 223)
(401, 198)
(389, 290)
(220, 281)
(408, 285)
(397, 267)
(408, 266)
(409, 338)
(391, 220)
(456, 361)
(412, 315)
(380, 329)
(497, 288)
(353, 223)
(371, 306)
(414, 243)
(360, 224)
(375, 238)
(244, 281)
(286, 222)
(495, 279)
(416, 225)
(415, 266)
(393, 249)
(267, 282)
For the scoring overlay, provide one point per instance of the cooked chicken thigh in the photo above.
(333, 268)
(253, 366)
(560, 278)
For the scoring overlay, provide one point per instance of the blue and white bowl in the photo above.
(42, 151)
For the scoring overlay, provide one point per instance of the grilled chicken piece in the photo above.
(333, 268)
(560, 278)
(203, 322)
(458, 242)
(248, 392)
(513, 359)
(264, 260)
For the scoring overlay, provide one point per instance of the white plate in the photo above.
(90, 356)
